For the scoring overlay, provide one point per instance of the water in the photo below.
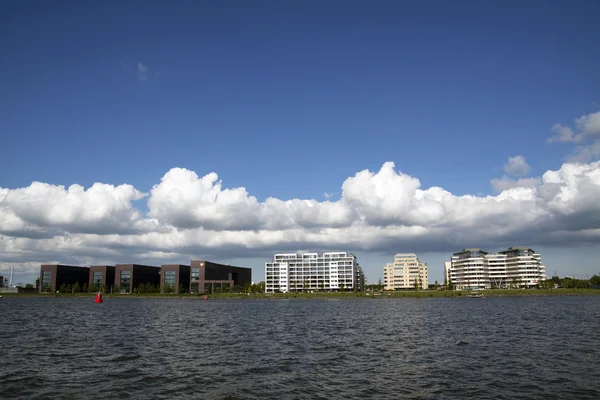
(491, 348)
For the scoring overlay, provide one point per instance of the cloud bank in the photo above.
(386, 210)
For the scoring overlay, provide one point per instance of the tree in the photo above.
(181, 289)
(93, 288)
(341, 286)
(28, 286)
(77, 288)
(150, 288)
(595, 280)
(116, 289)
(62, 288)
(141, 288)
(322, 286)
(84, 288)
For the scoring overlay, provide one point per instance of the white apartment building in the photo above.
(333, 271)
(517, 267)
(406, 272)
(469, 269)
(447, 266)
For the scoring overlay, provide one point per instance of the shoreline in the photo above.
(324, 295)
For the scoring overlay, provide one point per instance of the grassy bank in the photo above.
(328, 295)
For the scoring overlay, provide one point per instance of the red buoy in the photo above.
(205, 298)
(98, 298)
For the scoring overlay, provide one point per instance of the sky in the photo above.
(158, 132)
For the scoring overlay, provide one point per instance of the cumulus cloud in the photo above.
(587, 126)
(498, 185)
(585, 154)
(516, 166)
(561, 134)
(195, 216)
(43, 209)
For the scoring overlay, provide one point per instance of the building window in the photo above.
(125, 281)
(195, 274)
(46, 281)
(170, 278)
(97, 279)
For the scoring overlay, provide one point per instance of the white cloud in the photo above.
(585, 153)
(587, 126)
(142, 71)
(43, 209)
(561, 134)
(377, 211)
(516, 166)
(499, 185)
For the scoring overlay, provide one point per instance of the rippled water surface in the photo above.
(491, 348)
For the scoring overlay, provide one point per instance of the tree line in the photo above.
(148, 287)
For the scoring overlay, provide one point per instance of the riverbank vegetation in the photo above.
(338, 295)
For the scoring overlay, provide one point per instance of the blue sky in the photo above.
(289, 99)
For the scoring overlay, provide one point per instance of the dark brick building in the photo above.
(103, 276)
(130, 276)
(174, 276)
(55, 275)
(206, 276)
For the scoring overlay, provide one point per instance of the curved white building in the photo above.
(517, 267)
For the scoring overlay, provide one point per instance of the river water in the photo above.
(459, 348)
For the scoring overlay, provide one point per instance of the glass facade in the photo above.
(46, 280)
(170, 278)
(97, 278)
(125, 281)
(195, 274)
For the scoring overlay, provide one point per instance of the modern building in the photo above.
(174, 277)
(447, 266)
(103, 276)
(517, 267)
(333, 271)
(524, 267)
(53, 276)
(208, 277)
(406, 272)
(131, 276)
(469, 270)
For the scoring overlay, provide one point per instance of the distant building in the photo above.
(208, 277)
(52, 277)
(1, 281)
(103, 276)
(333, 271)
(517, 267)
(406, 272)
(131, 276)
(173, 277)
(447, 266)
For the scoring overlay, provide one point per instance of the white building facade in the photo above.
(406, 272)
(517, 267)
(334, 271)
